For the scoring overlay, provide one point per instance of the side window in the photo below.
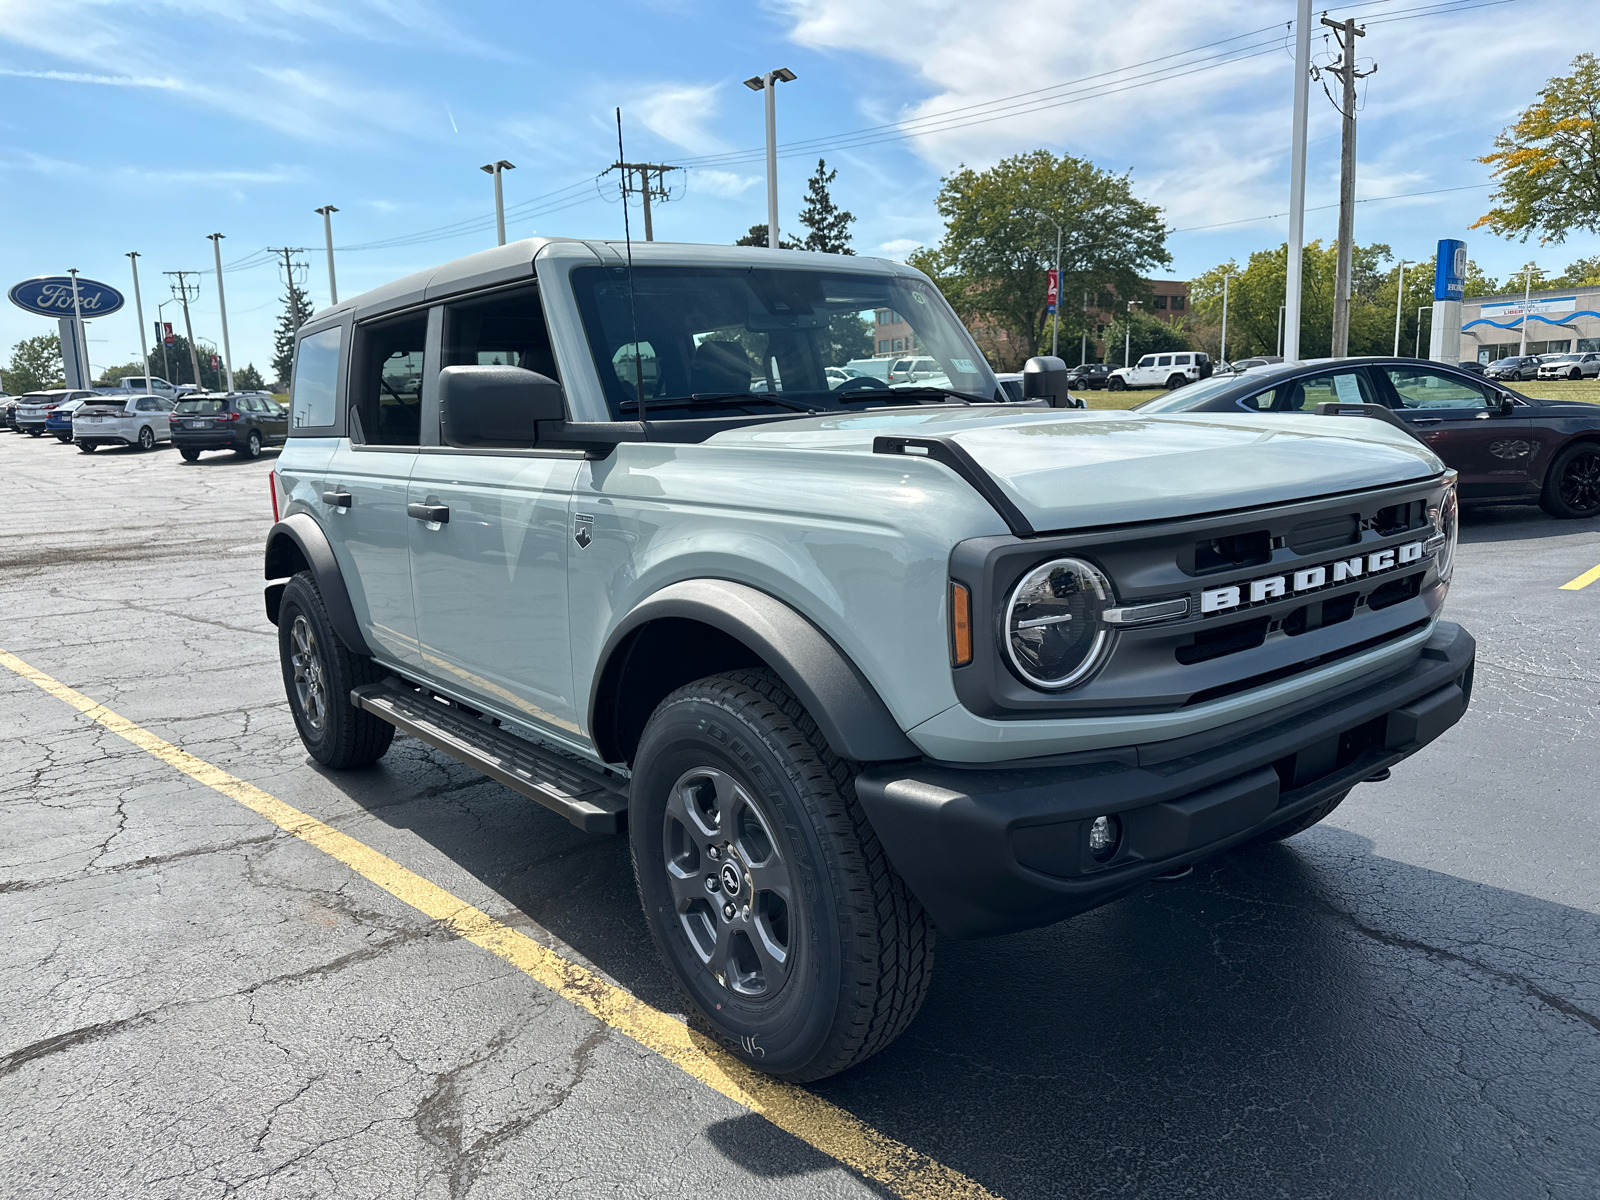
(1181, 360)
(316, 379)
(1164, 361)
(1419, 387)
(1149, 360)
(1303, 395)
(386, 382)
(506, 330)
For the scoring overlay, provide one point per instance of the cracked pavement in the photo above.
(1403, 1001)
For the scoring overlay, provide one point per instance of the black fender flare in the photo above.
(846, 707)
(297, 543)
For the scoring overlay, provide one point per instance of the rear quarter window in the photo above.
(313, 398)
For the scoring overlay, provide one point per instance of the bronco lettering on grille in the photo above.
(1311, 579)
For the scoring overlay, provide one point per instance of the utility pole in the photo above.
(1417, 351)
(327, 211)
(222, 304)
(1527, 297)
(768, 83)
(138, 308)
(1346, 32)
(1297, 179)
(81, 365)
(1127, 332)
(1083, 348)
(495, 169)
(186, 293)
(1399, 299)
(1222, 351)
(289, 266)
(645, 189)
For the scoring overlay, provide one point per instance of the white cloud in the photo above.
(678, 113)
(898, 248)
(721, 183)
(139, 81)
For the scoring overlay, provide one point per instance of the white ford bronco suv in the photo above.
(848, 664)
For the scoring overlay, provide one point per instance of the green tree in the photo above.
(248, 379)
(1547, 165)
(1142, 334)
(35, 364)
(1583, 273)
(758, 237)
(211, 379)
(997, 243)
(827, 223)
(296, 310)
(112, 375)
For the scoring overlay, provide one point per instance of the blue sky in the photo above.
(141, 125)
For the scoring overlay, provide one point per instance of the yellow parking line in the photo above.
(1582, 581)
(902, 1170)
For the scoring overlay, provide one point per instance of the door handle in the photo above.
(338, 499)
(439, 513)
(1428, 421)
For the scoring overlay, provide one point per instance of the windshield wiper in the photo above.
(729, 398)
(920, 394)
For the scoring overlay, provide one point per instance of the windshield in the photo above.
(760, 339)
(1561, 358)
(201, 406)
(1186, 398)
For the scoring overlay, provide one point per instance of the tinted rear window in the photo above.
(201, 407)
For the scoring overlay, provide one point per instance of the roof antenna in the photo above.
(633, 314)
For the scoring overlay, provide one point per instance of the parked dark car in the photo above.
(1515, 369)
(8, 407)
(1507, 448)
(1089, 375)
(1476, 368)
(239, 421)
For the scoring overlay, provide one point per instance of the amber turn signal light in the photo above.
(960, 625)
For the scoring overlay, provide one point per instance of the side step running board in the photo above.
(593, 799)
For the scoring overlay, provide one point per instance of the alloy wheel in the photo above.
(310, 679)
(732, 888)
(1579, 485)
(147, 439)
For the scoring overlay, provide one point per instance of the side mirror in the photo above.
(1507, 405)
(496, 406)
(1045, 378)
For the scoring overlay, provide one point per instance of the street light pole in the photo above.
(138, 308)
(1297, 179)
(1127, 332)
(222, 304)
(1416, 351)
(80, 348)
(1222, 351)
(1399, 299)
(495, 169)
(327, 211)
(768, 83)
(1281, 309)
(1527, 295)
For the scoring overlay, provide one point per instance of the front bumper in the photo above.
(1004, 846)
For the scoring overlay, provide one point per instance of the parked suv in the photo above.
(848, 663)
(1089, 376)
(1569, 366)
(1161, 370)
(111, 420)
(243, 422)
(34, 408)
(1514, 369)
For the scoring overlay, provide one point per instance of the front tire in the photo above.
(1572, 484)
(766, 889)
(1575, 373)
(88, 447)
(318, 673)
(1116, 384)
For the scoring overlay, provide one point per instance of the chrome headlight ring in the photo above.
(1053, 627)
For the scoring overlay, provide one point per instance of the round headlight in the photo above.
(1054, 634)
(1446, 524)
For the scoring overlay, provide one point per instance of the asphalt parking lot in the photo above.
(1404, 1001)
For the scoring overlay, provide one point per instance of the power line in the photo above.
(1469, 187)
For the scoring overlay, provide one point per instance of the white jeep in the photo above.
(1161, 370)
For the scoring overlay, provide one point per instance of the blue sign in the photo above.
(51, 296)
(1450, 270)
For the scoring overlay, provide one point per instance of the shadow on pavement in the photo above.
(1515, 523)
(1307, 1019)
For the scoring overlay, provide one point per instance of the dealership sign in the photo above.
(1529, 308)
(51, 296)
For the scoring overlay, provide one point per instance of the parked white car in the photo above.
(878, 368)
(1161, 370)
(917, 370)
(111, 420)
(1569, 366)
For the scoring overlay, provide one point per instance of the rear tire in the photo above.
(251, 447)
(147, 438)
(1174, 382)
(318, 673)
(1572, 484)
(1300, 824)
(35, 432)
(827, 956)
(188, 455)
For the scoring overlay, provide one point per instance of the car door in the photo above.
(491, 580)
(1143, 372)
(1463, 421)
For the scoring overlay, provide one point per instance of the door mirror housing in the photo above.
(1507, 405)
(496, 406)
(1045, 378)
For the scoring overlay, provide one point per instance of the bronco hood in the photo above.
(1068, 469)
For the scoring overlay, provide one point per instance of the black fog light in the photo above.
(1105, 833)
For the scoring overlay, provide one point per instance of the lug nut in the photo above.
(727, 911)
(713, 853)
(711, 883)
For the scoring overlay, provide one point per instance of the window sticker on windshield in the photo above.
(964, 365)
(1348, 387)
(919, 297)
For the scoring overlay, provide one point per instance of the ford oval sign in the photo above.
(51, 296)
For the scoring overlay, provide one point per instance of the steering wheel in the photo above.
(861, 383)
